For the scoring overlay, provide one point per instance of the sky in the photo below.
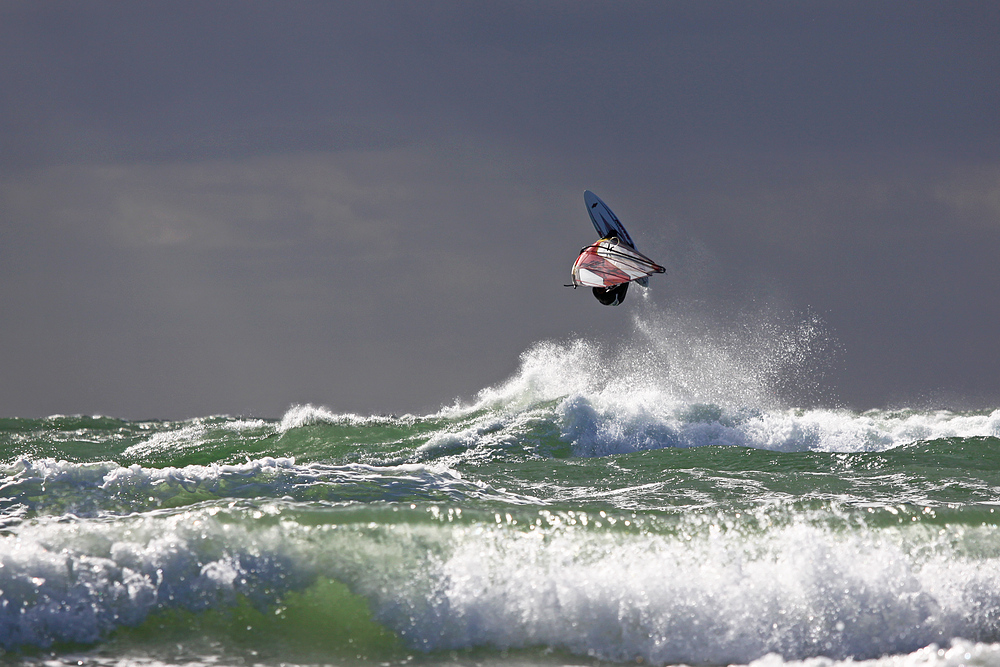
(235, 207)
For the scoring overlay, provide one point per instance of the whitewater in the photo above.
(690, 495)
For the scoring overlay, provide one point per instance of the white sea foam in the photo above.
(959, 653)
(50, 486)
(110, 476)
(74, 580)
(707, 597)
(708, 592)
(595, 430)
(299, 416)
(710, 391)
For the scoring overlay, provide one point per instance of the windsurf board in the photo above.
(605, 222)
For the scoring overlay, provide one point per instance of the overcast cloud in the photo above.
(233, 207)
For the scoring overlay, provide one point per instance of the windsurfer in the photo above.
(611, 296)
(610, 264)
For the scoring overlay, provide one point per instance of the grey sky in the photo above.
(232, 207)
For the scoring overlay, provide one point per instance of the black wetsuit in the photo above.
(611, 296)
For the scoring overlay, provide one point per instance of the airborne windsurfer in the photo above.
(609, 265)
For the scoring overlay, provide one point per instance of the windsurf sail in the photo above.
(609, 262)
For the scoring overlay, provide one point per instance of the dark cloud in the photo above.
(218, 77)
(232, 207)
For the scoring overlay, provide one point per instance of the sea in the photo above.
(689, 494)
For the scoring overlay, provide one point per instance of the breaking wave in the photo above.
(705, 590)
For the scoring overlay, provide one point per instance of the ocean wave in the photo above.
(706, 595)
(710, 590)
(299, 416)
(72, 580)
(53, 487)
(595, 424)
(597, 431)
(667, 387)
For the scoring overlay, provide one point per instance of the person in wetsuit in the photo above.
(611, 296)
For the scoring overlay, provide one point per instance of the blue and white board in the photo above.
(607, 223)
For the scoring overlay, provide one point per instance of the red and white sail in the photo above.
(609, 262)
